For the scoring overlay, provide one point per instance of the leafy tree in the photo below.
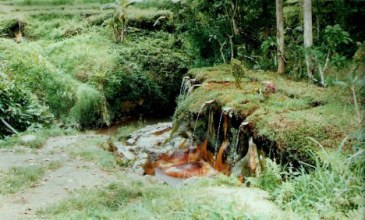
(221, 30)
(334, 36)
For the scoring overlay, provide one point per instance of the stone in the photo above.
(124, 151)
(28, 138)
(131, 141)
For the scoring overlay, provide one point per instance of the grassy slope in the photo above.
(70, 61)
(297, 110)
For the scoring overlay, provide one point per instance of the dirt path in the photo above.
(57, 184)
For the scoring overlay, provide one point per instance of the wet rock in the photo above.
(179, 142)
(184, 130)
(131, 141)
(139, 170)
(249, 164)
(124, 151)
(151, 135)
(28, 138)
(139, 166)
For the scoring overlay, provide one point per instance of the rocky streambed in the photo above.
(172, 157)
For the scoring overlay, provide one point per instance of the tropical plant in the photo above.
(238, 71)
(119, 19)
(354, 82)
(323, 55)
(268, 47)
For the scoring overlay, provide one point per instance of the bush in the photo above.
(90, 109)
(19, 109)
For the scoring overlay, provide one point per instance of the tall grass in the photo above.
(57, 2)
(67, 97)
(332, 189)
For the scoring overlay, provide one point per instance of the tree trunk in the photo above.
(221, 51)
(8, 126)
(308, 34)
(280, 35)
(232, 46)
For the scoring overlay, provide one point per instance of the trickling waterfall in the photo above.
(185, 85)
(197, 118)
(217, 138)
(234, 155)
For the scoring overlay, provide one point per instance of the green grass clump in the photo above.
(19, 108)
(27, 65)
(90, 109)
(85, 57)
(19, 178)
(90, 151)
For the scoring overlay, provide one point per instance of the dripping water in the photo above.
(217, 138)
(236, 145)
(183, 86)
(197, 118)
(234, 159)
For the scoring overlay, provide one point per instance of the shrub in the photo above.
(238, 71)
(19, 108)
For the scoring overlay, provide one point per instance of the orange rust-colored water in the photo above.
(196, 162)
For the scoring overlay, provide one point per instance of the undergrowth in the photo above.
(331, 189)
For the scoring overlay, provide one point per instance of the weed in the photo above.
(89, 151)
(54, 165)
(19, 178)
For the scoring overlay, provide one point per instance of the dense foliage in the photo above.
(19, 109)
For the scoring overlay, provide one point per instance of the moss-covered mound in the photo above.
(291, 117)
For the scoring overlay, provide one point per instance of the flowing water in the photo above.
(236, 145)
(217, 139)
(197, 118)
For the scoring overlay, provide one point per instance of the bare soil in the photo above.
(57, 184)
